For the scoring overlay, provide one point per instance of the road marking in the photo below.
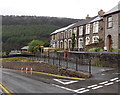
(84, 91)
(116, 73)
(59, 76)
(102, 74)
(118, 80)
(5, 89)
(103, 82)
(79, 89)
(97, 87)
(63, 87)
(92, 86)
(109, 83)
(62, 81)
(114, 79)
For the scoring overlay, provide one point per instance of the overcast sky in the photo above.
(56, 8)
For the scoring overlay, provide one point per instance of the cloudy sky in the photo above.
(56, 8)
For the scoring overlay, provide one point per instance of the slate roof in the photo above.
(98, 18)
(61, 29)
(114, 9)
(82, 22)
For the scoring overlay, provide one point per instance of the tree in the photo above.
(46, 44)
(73, 40)
(35, 45)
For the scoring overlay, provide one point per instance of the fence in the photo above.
(78, 62)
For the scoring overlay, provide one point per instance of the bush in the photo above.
(96, 50)
(114, 50)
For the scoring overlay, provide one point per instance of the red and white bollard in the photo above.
(22, 69)
(31, 69)
(26, 69)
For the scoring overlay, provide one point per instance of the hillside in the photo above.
(17, 31)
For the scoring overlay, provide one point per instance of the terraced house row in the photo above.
(102, 31)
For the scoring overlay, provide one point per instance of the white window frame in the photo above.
(95, 40)
(88, 29)
(75, 31)
(80, 45)
(95, 27)
(87, 42)
(69, 46)
(80, 30)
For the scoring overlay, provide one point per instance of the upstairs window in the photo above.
(75, 31)
(81, 30)
(109, 22)
(95, 27)
(88, 29)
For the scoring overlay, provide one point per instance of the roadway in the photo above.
(33, 82)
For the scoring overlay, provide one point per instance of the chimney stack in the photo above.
(88, 16)
(101, 12)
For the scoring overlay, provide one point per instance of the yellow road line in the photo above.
(59, 76)
(5, 89)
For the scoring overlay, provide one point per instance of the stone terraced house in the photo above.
(103, 27)
(112, 28)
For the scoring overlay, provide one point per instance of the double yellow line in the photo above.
(6, 89)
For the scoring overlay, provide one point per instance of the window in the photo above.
(95, 39)
(110, 22)
(87, 41)
(81, 30)
(69, 43)
(80, 42)
(95, 27)
(87, 28)
(75, 31)
(70, 33)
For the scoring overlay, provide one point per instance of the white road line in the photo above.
(63, 87)
(84, 91)
(118, 80)
(109, 83)
(79, 89)
(97, 87)
(114, 79)
(103, 82)
(63, 81)
(92, 86)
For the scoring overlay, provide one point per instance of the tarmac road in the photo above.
(19, 82)
(33, 82)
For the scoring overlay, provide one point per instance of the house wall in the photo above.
(112, 31)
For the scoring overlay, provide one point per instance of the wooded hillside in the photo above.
(17, 31)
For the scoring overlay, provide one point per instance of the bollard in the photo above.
(26, 69)
(31, 69)
(22, 69)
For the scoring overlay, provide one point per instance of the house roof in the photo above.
(61, 29)
(114, 9)
(98, 18)
(83, 22)
(25, 47)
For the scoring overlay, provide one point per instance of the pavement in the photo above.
(15, 81)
